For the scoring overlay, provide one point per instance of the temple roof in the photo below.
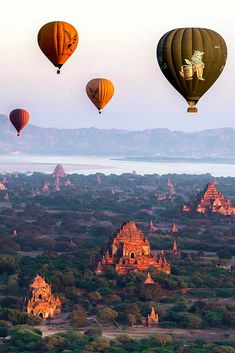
(59, 171)
(129, 231)
(175, 248)
(153, 313)
(149, 279)
(210, 199)
(38, 282)
(210, 192)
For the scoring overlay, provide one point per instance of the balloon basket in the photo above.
(192, 110)
(58, 71)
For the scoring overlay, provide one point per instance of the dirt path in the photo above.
(143, 332)
(111, 332)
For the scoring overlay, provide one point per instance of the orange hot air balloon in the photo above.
(58, 40)
(100, 91)
(19, 118)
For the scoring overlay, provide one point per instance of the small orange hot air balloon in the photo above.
(58, 40)
(100, 91)
(19, 118)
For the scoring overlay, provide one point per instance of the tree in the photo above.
(78, 317)
(190, 320)
(106, 314)
(3, 331)
(164, 339)
(94, 297)
(214, 317)
(54, 342)
(16, 317)
(33, 320)
(24, 337)
(99, 345)
(8, 263)
(224, 254)
(224, 349)
(131, 319)
(124, 338)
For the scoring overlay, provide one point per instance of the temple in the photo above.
(41, 301)
(186, 208)
(211, 201)
(130, 251)
(57, 184)
(171, 187)
(46, 187)
(67, 182)
(2, 186)
(152, 319)
(174, 228)
(152, 227)
(175, 252)
(98, 179)
(59, 171)
(149, 279)
(14, 233)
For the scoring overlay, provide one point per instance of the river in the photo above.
(107, 165)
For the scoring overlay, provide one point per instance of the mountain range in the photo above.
(160, 143)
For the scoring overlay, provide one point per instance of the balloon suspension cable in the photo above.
(58, 71)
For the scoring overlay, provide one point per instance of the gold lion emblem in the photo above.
(195, 65)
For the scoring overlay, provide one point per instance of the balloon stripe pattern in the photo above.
(58, 41)
(191, 59)
(100, 91)
(19, 118)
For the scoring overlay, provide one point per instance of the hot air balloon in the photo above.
(191, 59)
(19, 118)
(58, 40)
(100, 91)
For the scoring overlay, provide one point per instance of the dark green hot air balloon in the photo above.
(191, 59)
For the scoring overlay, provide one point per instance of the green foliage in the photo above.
(25, 338)
(105, 313)
(78, 317)
(8, 263)
(16, 317)
(224, 254)
(214, 317)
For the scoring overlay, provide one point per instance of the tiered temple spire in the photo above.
(212, 201)
(129, 250)
(149, 279)
(152, 319)
(41, 301)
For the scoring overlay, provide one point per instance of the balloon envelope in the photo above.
(19, 118)
(191, 59)
(100, 91)
(58, 40)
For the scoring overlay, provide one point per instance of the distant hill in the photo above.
(214, 143)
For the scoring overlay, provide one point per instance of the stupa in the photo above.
(129, 250)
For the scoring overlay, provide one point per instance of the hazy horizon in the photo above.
(114, 128)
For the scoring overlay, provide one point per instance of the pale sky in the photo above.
(117, 40)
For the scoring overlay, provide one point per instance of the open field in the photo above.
(112, 332)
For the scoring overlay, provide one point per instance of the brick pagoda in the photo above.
(212, 201)
(41, 301)
(129, 250)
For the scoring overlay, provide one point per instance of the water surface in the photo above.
(107, 165)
